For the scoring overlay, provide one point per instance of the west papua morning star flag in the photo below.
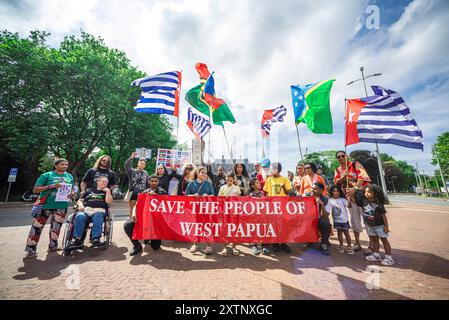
(160, 93)
(199, 125)
(382, 118)
(269, 117)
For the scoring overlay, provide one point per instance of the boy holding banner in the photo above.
(129, 225)
(277, 185)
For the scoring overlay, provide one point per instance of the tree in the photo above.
(326, 159)
(72, 101)
(441, 147)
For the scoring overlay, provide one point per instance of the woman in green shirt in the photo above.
(55, 188)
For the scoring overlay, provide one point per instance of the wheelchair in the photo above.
(108, 223)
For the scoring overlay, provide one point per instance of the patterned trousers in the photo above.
(57, 217)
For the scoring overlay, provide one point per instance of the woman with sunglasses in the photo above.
(102, 168)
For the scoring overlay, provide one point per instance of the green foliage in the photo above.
(441, 147)
(326, 159)
(71, 102)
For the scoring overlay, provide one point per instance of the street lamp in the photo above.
(379, 161)
(392, 182)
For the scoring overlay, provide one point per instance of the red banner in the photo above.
(226, 219)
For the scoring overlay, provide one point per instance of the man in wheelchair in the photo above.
(93, 204)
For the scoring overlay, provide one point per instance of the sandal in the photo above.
(350, 251)
(368, 253)
(340, 249)
(208, 250)
(224, 252)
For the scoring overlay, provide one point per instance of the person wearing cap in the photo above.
(277, 185)
(138, 180)
(264, 172)
(47, 185)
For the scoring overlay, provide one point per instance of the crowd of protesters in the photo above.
(350, 201)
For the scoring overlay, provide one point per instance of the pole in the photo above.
(7, 194)
(421, 185)
(417, 181)
(441, 173)
(379, 160)
(425, 181)
(438, 186)
(299, 144)
(227, 144)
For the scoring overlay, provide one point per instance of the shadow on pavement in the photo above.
(54, 263)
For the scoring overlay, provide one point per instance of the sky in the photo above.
(259, 48)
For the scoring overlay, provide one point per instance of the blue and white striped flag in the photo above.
(270, 116)
(200, 126)
(160, 93)
(383, 118)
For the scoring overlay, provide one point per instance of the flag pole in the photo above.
(299, 143)
(210, 134)
(227, 143)
(346, 156)
(177, 117)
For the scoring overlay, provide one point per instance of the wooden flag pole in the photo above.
(299, 144)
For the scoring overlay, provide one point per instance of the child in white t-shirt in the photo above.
(229, 190)
(338, 206)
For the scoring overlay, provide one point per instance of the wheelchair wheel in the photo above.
(109, 227)
(68, 227)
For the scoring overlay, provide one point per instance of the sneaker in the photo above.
(324, 249)
(194, 248)
(75, 242)
(375, 257)
(96, 242)
(224, 252)
(135, 251)
(285, 248)
(350, 251)
(257, 250)
(208, 250)
(235, 251)
(30, 253)
(341, 250)
(387, 262)
(266, 251)
(53, 249)
(356, 247)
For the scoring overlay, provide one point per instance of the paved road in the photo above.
(419, 239)
(411, 199)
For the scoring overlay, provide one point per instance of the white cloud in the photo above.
(259, 48)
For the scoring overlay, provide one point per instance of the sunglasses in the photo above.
(340, 157)
(187, 168)
(307, 167)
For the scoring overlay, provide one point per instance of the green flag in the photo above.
(312, 107)
(193, 97)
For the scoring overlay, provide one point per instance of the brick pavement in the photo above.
(419, 239)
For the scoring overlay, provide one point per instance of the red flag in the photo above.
(266, 123)
(202, 70)
(353, 109)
